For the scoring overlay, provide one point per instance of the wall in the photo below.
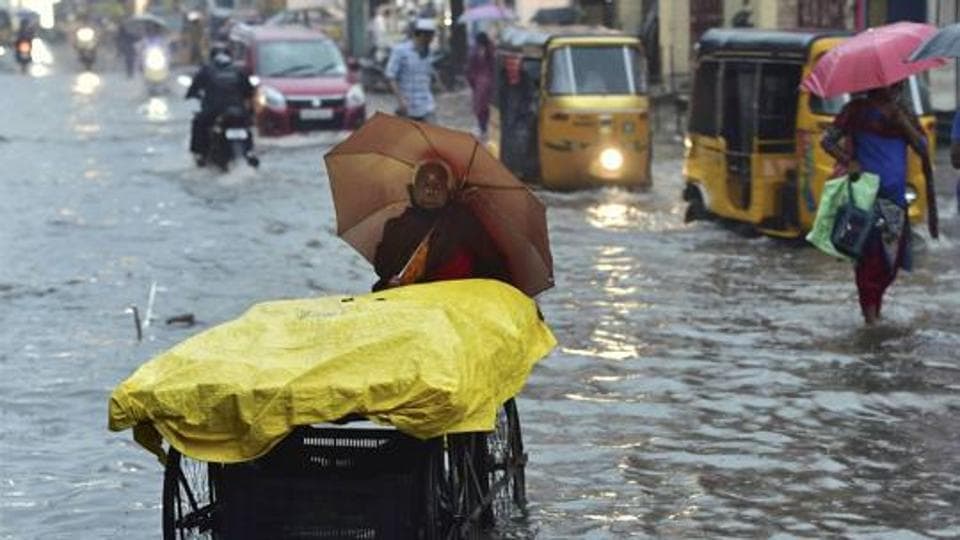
(526, 8)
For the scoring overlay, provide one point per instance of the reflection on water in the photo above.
(609, 215)
(156, 110)
(86, 83)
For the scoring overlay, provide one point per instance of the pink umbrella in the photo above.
(873, 58)
(486, 12)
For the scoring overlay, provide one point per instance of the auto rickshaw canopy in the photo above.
(428, 359)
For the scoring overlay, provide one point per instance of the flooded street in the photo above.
(706, 385)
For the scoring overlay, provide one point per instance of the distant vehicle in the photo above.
(85, 43)
(304, 83)
(24, 53)
(570, 107)
(156, 68)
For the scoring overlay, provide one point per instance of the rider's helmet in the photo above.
(220, 55)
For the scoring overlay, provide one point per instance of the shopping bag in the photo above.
(852, 226)
(836, 193)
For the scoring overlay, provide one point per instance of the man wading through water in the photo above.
(409, 71)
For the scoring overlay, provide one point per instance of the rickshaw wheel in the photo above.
(188, 498)
(504, 470)
(451, 490)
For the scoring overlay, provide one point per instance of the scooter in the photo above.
(86, 46)
(156, 69)
(24, 53)
(231, 138)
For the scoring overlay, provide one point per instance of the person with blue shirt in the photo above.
(872, 134)
(410, 70)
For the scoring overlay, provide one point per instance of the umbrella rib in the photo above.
(470, 163)
(425, 137)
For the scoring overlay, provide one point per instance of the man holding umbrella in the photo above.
(426, 203)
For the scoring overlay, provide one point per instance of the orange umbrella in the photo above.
(371, 170)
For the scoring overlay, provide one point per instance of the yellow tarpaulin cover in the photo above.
(429, 359)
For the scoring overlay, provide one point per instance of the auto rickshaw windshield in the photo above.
(609, 70)
(916, 95)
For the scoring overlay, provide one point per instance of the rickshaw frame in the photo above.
(465, 482)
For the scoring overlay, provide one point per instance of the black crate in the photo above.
(329, 483)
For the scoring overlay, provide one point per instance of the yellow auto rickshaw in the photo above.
(570, 107)
(753, 150)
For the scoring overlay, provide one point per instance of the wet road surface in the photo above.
(706, 384)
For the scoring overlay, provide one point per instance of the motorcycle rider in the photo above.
(219, 85)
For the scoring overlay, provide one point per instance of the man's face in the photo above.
(430, 190)
(423, 39)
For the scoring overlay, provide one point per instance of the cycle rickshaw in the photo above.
(330, 474)
(349, 482)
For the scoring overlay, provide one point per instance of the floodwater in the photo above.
(706, 385)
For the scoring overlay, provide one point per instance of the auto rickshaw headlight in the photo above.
(910, 195)
(611, 159)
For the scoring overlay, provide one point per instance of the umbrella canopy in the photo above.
(873, 58)
(945, 43)
(371, 170)
(139, 24)
(488, 12)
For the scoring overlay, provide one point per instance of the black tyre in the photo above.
(696, 208)
(189, 497)
(505, 468)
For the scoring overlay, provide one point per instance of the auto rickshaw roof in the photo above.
(536, 37)
(775, 42)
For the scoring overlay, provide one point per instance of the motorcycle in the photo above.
(24, 53)
(86, 46)
(156, 69)
(231, 138)
(373, 68)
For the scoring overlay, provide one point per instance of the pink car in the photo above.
(303, 82)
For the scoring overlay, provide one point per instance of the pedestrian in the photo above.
(741, 19)
(872, 134)
(436, 238)
(409, 72)
(955, 151)
(127, 47)
(480, 76)
(377, 31)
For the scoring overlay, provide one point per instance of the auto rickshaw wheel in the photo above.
(696, 208)
(189, 498)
